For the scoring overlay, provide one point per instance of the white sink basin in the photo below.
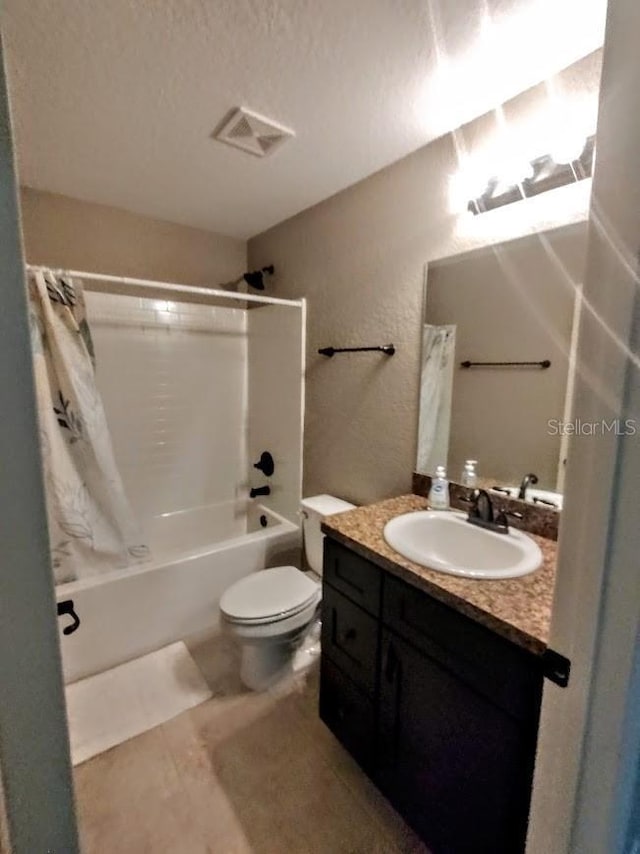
(443, 540)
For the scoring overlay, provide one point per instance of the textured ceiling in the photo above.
(115, 102)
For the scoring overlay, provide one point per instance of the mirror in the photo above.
(500, 327)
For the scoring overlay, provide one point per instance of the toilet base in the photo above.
(263, 665)
(268, 649)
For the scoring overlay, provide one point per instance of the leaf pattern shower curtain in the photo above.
(91, 525)
(436, 384)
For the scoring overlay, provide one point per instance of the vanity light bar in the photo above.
(547, 175)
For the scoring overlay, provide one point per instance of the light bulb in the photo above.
(468, 183)
(567, 147)
(511, 173)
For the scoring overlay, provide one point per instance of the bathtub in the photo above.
(197, 554)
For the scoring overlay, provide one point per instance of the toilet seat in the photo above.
(269, 596)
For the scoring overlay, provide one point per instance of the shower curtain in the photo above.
(91, 526)
(436, 384)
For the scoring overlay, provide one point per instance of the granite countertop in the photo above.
(517, 608)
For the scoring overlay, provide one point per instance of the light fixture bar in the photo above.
(547, 175)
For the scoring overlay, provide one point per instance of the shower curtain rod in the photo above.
(165, 286)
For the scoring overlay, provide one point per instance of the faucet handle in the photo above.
(544, 501)
(265, 464)
(503, 489)
(504, 515)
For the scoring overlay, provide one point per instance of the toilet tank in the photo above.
(314, 509)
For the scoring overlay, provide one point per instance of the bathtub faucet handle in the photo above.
(265, 464)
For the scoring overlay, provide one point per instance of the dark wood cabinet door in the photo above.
(348, 712)
(350, 638)
(507, 675)
(455, 765)
(354, 576)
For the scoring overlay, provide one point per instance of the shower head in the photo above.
(256, 278)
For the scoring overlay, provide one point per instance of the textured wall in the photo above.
(64, 232)
(359, 259)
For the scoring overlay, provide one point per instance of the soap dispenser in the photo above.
(469, 474)
(439, 492)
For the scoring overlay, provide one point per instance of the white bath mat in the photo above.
(111, 707)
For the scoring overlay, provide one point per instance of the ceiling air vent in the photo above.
(252, 133)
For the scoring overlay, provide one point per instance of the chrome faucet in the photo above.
(527, 481)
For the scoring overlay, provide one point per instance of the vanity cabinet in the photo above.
(440, 711)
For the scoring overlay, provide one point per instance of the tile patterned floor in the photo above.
(242, 773)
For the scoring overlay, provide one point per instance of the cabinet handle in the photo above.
(391, 663)
(393, 675)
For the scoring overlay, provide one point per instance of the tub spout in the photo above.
(260, 490)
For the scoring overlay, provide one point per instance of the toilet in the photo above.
(269, 611)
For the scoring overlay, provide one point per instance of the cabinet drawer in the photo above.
(352, 575)
(349, 638)
(507, 674)
(347, 712)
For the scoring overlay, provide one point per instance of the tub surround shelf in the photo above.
(518, 609)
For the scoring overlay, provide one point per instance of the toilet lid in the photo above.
(268, 593)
